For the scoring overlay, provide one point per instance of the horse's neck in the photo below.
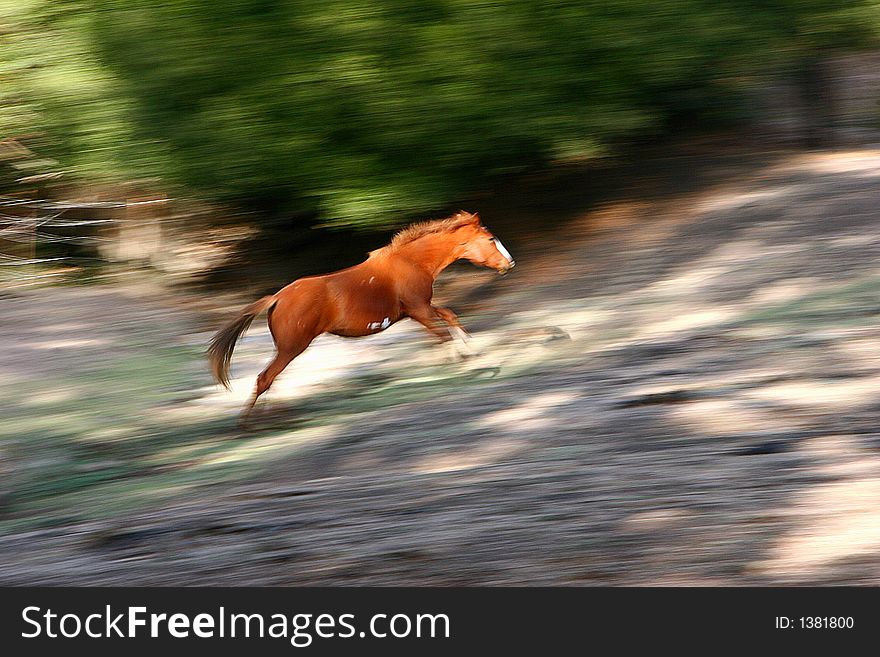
(433, 253)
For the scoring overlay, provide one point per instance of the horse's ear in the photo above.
(475, 217)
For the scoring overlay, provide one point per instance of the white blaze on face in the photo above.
(502, 250)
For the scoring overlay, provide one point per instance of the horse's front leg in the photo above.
(436, 324)
(428, 317)
(458, 331)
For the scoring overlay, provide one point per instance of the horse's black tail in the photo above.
(223, 343)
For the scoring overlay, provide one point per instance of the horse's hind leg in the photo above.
(267, 376)
(265, 379)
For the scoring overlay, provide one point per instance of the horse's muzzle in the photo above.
(504, 270)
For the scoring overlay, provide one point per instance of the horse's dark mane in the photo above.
(422, 228)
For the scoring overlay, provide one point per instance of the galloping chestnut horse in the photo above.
(394, 282)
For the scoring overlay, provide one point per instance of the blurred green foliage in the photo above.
(363, 112)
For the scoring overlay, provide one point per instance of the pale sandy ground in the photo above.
(680, 392)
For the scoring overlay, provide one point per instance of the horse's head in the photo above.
(482, 248)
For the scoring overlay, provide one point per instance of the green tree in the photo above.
(362, 112)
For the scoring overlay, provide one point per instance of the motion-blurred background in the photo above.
(677, 384)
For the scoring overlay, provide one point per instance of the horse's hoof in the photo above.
(556, 333)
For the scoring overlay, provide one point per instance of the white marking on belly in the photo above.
(502, 250)
(384, 324)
